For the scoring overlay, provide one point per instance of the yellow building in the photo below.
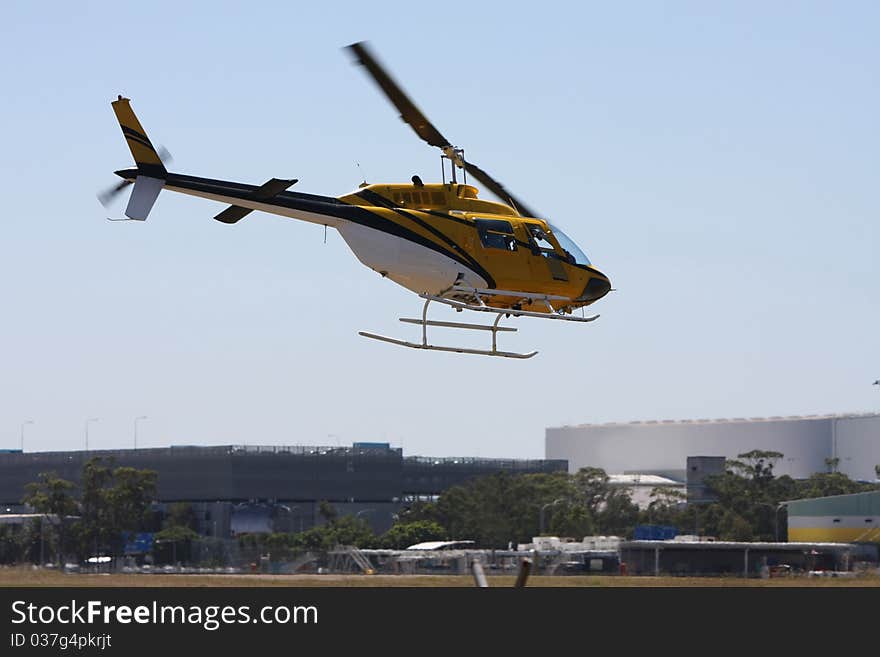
(839, 519)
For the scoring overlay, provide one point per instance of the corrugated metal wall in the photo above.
(664, 446)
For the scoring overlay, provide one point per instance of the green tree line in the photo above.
(494, 511)
(82, 520)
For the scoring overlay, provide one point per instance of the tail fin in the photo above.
(145, 156)
(151, 172)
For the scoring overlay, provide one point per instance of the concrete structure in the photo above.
(850, 518)
(662, 447)
(698, 469)
(245, 488)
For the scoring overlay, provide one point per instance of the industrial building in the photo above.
(238, 489)
(641, 487)
(842, 518)
(678, 557)
(662, 447)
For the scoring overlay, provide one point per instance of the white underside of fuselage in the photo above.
(411, 265)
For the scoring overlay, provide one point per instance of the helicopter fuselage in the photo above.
(430, 237)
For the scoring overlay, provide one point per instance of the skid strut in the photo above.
(424, 322)
(475, 301)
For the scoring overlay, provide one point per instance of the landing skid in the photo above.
(457, 350)
(474, 301)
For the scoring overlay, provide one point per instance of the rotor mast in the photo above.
(456, 160)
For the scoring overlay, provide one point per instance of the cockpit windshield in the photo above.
(568, 244)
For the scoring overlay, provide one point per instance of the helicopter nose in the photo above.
(597, 287)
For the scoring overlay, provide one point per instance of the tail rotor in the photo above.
(107, 196)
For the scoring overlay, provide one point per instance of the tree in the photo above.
(665, 507)
(419, 510)
(114, 501)
(733, 527)
(178, 530)
(345, 530)
(130, 496)
(501, 508)
(327, 511)
(14, 542)
(92, 528)
(50, 495)
(573, 520)
(180, 514)
(824, 484)
(618, 514)
(750, 490)
(175, 535)
(592, 487)
(403, 534)
(756, 465)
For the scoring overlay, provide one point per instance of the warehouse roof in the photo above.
(724, 420)
(641, 480)
(867, 504)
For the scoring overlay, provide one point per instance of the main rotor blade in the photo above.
(423, 127)
(498, 189)
(408, 111)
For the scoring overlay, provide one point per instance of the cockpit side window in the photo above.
(539, 241)
(496, 234)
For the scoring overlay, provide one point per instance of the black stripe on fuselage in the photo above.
(378, 199)
(326, 205)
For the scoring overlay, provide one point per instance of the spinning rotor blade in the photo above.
(107, 196)
(498, 189)
(408, 111)
(425, 129)
(165, 155)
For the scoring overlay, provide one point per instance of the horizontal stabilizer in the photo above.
(232, 214)
(264, 192)
(143, 196)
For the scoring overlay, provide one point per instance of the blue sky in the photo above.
(719, 163)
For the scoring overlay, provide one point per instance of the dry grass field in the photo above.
(15, 577)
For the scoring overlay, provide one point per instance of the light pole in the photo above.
(776, 519)
(139, 417)
(358, 514)
(91, 419)
(22, 432)
(775, 516)
(290, 515)
(541, 515)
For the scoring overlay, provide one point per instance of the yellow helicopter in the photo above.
(438, 240)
